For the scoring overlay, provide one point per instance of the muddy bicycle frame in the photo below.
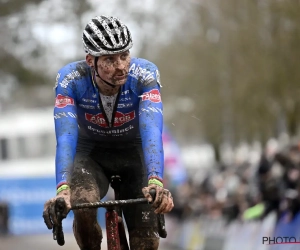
(115, 230)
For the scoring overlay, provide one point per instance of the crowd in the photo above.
(244, 190)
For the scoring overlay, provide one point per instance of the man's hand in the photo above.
(49, 214)
(163, 202)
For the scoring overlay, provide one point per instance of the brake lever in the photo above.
(58, 233)
(152, 192)
(160, 218)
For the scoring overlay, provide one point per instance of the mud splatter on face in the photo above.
(114, 68)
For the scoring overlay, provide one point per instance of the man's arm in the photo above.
(66, 128)
(66, 136)
(151, 124)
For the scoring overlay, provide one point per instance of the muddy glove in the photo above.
(163, 202)
(49, 214)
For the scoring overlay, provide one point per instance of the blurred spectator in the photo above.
(245, 191)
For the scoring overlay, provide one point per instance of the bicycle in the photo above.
(115, 229)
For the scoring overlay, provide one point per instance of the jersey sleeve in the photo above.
(66, 126)
(151, 125)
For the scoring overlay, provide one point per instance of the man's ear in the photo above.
(89, 60)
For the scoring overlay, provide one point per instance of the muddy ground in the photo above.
(43, 242)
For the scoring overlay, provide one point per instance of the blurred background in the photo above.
(231, 85)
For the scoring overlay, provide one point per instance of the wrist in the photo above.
(155, 182)
(62, 188)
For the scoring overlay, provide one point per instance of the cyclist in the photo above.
(108, 121)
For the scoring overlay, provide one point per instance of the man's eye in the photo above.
(124, 56)
(109, 59)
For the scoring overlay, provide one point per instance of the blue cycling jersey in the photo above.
(138, 112)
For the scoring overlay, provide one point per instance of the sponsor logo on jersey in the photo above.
(64, 114)
(125, 92)
(125, 99)
(86, 106)
(63, 101)
(158, 77)
(88, 100)
(152, 96)
(56, 80)
(120, 119)
(125, 105)
(111, 132)
(74, 74)
(141, 74)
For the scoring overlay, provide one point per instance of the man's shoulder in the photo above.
(143, 63)
(76, 72)
(145, 72)
(79, 68)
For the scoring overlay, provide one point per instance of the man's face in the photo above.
(114, 68)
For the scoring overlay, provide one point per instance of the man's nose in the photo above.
(119, 64)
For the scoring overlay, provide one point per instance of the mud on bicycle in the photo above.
(115, 228)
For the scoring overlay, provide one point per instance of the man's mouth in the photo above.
(120, 77)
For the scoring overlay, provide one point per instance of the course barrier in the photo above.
(25, 198)
(204, 233)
